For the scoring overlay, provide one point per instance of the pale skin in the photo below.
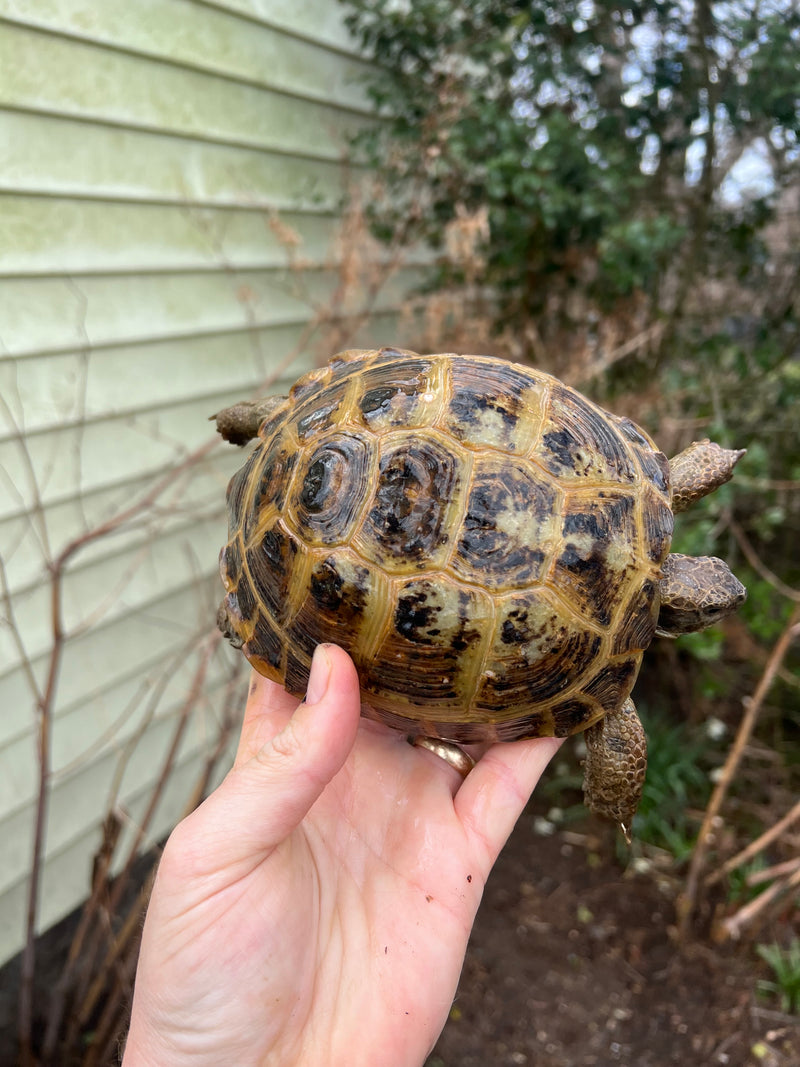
(316, 907)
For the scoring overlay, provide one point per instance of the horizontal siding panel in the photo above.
(113, 685)
(107, 587)
(198, 494)
(64, 157)
(68, 236)
(65, 77)
(99, 311)
(99, 731)
(89, 456)
(212, 40)
(131, 641)
(310, 20)
(85, 458)
(129, 379)
(67, 874)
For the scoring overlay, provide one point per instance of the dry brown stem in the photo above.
(754, 911)
(777, 870)
(753, 705)
(758, 565)
(763, 841)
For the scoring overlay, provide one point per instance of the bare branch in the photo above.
(748, 914)
(688, 899)
(756, 563)
(753, 849)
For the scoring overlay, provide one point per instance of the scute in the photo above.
(406, 522)
(494, 405)
(432, 648)
(538, 652)
(325, 498)
(339, 593)
(398, 392)
(510, 521)
(483, 540)
(579, 442)
(598, 552)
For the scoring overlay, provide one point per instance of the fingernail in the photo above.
(318, 678)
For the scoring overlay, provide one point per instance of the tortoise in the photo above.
(491, 548)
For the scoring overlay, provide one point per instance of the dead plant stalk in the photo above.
(753, 705)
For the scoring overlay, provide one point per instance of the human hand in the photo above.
(315, 909)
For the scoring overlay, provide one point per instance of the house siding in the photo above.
(171, 174)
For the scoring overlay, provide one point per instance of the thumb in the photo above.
(262, 800)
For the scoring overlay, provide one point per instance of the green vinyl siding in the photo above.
(171, 174)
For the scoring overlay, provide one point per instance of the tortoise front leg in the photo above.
(700, 469)
(616, 762)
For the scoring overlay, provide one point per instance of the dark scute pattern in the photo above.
(567, 450)
(481, 387)
(632, 432)
(242, 603)
(393, 387)
(343, 596)
(270, 563)
(231, 563)
(334, 610)
(415, 617)
(237, 489)
(535, 666)
(331, 493)
(428, 680)
(614, 682)
(489, 549)
(267, 643)
(319, 418)
(297, 671)
(276, 461)
(638, 624)
(432, 649)
(582, 570)
(655, 467)
(658, 522)
(571, 716)
(416, 481)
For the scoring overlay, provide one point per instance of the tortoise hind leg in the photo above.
(241, 422)
(616, 762)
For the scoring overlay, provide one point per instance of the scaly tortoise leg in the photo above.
(700, 469)
(616, 762)
(241, 422)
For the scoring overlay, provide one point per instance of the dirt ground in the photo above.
(572, 963)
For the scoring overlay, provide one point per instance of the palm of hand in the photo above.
(286, 937)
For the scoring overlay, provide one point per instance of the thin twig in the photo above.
(16, 635)
(758, 566)
(44, 712)
(688, 899)
(732, 926)
(778, 870)
(760, 843)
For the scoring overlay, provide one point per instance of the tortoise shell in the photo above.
(483, 540)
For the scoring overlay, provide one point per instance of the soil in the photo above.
(573, 962)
